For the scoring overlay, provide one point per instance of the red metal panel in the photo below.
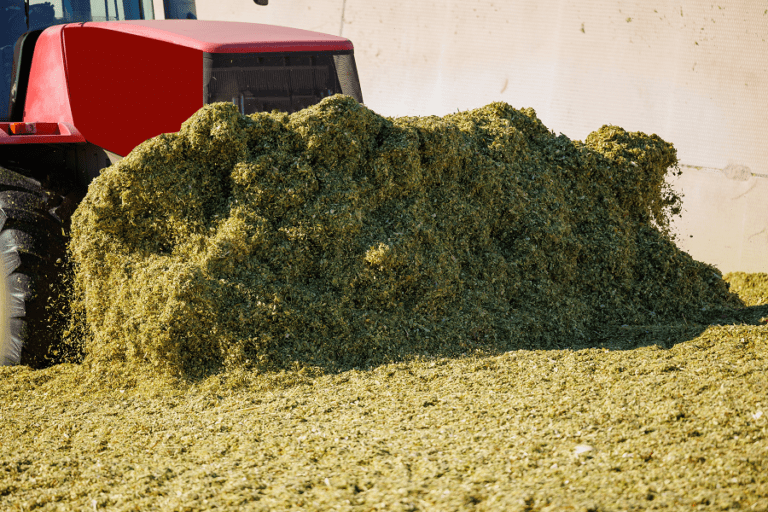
(228, 36)
(47, 94)
(66, 134)
(125, 88)
(121, 83)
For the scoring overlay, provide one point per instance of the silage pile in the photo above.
(336, 237)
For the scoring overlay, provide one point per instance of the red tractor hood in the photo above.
(116, 84)
(227, 36)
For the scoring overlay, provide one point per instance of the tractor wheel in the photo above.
(32, 252)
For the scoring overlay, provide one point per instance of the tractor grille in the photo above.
(285, 82)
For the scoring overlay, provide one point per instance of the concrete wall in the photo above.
(726, 217)
(694, 72)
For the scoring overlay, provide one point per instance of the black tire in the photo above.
(32, 254)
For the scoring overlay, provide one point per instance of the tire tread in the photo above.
(32, 250)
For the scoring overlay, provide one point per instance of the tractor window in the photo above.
(43, 13)
(116, 10)
(289, 82)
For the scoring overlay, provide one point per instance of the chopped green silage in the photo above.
(335, 238)
(602, 368)
(752, 288)
(683, 428)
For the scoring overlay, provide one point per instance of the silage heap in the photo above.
(339, 238)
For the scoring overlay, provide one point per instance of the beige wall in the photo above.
(726, 218)
(694, 72)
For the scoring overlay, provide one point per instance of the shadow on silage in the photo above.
(667, 335)
(664, 335)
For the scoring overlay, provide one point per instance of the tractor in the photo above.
(89, 81)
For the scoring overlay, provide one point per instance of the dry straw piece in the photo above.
(337, 238)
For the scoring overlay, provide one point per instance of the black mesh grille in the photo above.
(347, 73)
(285, 82)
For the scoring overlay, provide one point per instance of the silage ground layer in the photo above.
(684, 428)
(337, 238)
